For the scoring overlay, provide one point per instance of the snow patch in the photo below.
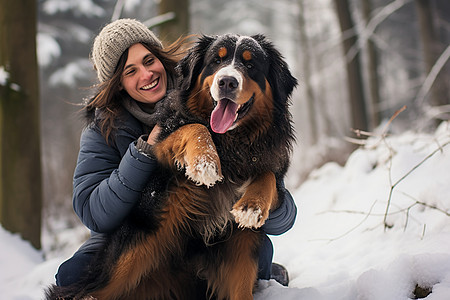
(3, 76)
(48, 49)
(338, 249)
(69, 74)
(85, 7)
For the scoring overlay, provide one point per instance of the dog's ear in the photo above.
(191, 65)
(280, 77)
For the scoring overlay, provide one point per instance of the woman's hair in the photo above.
(109, 96)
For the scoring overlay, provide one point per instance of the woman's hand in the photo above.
(153, 135)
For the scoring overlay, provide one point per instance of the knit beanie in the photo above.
(113, 40)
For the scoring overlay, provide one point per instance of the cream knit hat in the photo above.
(114, 39)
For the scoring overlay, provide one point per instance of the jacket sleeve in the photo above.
(107, 183)
(283, 218)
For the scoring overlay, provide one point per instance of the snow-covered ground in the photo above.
(339, 247)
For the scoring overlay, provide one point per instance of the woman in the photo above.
(115, 162)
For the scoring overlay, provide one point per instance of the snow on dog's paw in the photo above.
(248, 217)
(204, 171)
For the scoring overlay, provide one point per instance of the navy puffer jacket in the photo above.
(109, 179)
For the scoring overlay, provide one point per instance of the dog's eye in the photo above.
(218, 61)
(249, 65)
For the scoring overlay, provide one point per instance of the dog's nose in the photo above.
(228, 84)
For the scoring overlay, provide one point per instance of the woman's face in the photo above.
(144, 77)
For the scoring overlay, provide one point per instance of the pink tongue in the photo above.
(223, 116)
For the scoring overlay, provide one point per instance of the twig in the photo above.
(382, 135)
(423, 231)
(440, 148)
(354, 227)
(438, 112)
(395, 115)
(393, 186)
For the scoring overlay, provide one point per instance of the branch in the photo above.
(365, 34)
(431, 77)
(367, 215)
(417, 202)
(382, 135)
(117, 10)
(150, 23)
(160, 19)
(373, 23)
(439, 149)
(438, 112)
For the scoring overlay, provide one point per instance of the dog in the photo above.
(226, 136)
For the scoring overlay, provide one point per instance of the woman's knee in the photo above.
(71, 270)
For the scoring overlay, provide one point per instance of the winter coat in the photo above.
(109, 179)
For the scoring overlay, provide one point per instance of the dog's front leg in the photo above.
(260, 196)
(192, 148)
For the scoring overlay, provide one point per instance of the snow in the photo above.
(69, 74)
(48, 49)
(4, 75)
(83, 7)
(339, 247)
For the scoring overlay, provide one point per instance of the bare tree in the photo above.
(353, 66)
(310, 96)
(431, 50)
(20, 154)
(372, 70)
(173, 29)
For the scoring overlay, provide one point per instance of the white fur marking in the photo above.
(204, 171)
(226, 71)
(250, 218)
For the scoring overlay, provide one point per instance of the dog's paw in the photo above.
(248, 217)
(204, 170)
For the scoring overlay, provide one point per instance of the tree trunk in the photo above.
(20, 153)
(170, 31)
(431, 50)
(353, 66)
(310, 97)
(372, 71)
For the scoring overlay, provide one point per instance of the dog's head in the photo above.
(233, 79)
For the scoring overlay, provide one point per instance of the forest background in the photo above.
(359, 63)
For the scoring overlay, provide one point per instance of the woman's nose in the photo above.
(146, 72)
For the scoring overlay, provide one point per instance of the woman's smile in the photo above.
(151, 85)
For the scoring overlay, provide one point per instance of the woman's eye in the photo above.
(148, 62)
(129, 72)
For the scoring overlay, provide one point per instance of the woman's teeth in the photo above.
(151, 85)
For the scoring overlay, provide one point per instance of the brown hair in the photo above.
(109, 96)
